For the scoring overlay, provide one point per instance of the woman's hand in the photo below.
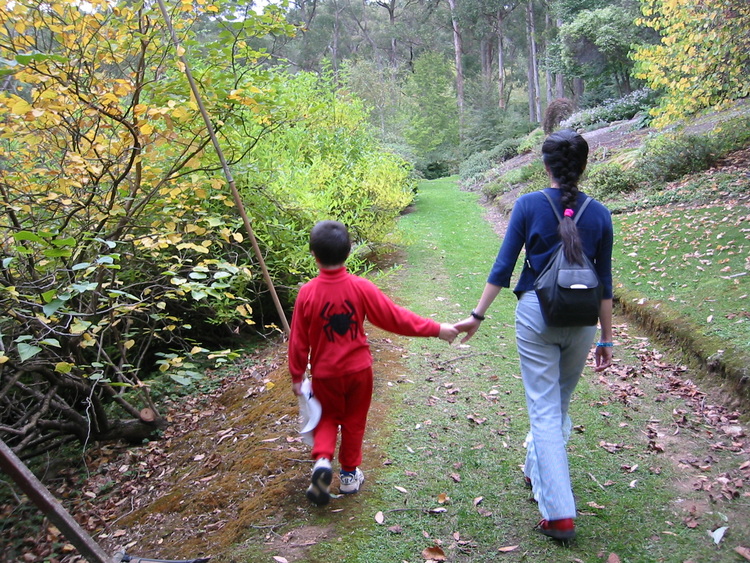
(297, 388)
(469, 325)
(603, 357)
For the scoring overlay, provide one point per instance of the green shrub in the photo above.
(471, 169)
(474, 166)
(670, 156)
(531, 141)
(733, 134)
(493, 189)
(609, 179)
(505, 150)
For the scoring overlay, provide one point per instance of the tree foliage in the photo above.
(597, 44)
(703, 58)
(121, 254)
(431, 111)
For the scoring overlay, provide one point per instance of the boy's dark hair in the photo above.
(330, 243)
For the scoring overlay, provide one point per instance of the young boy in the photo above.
(327, 329)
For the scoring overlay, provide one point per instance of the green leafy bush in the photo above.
(505, 150)
(531, 141)
(472, 169)
(670, 156)
(609, 179)
(527, 178)
(732, 135)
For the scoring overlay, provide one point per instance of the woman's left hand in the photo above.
(603, 357)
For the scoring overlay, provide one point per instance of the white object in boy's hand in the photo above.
(309, 410)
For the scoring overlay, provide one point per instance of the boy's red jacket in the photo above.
(327, 324)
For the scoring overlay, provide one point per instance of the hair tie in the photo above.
(569, 213)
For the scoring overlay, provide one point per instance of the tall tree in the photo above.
(535, 106)
(458, 58)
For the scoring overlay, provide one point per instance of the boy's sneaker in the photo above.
(319, 490)
(350, 481)
(563, 529)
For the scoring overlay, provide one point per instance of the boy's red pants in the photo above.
(345, 402)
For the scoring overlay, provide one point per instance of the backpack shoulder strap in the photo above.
(583, 207)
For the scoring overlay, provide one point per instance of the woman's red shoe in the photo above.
(564, 529)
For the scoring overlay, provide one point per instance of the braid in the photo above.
(565, 154)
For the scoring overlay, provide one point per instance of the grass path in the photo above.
(657, 463)
(451, 444)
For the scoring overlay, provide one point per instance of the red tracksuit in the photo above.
(327, 331)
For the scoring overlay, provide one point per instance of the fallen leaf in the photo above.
(478, 500)
(592, 504)
(279, 559)
(438, 510)
(401, 490)
(434, 553)
(508, 548)
(456, 477)
(379, 518)
(613, 558)
(691, 523)
(443, 498)
(395, 529)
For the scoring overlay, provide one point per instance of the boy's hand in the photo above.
(469, 325)
(297, 388)
(448, 332)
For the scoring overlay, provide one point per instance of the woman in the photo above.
(552, 358)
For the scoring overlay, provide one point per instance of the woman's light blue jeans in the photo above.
(552, 359)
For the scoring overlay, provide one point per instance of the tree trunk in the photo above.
(578, 88)
(485, 46)
(533, 115)
(458, 48)
(535, 109)
(559, 85)
(335, 40)
(500, 59)
(390, 6)
(549, 80)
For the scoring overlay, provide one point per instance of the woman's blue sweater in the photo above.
(533, 224)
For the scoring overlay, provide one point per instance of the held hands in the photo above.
(297, 388)
(469, 325)
(448, 332)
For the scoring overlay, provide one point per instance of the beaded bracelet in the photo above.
(604, 345)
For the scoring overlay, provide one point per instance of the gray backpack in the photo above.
(569, 294)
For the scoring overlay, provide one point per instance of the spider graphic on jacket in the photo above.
(339, 323)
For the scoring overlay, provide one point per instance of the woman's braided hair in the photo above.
(565, 154)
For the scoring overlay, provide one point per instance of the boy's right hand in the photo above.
(448, 332)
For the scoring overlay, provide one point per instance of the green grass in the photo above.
(457, 426)
(694, 260)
